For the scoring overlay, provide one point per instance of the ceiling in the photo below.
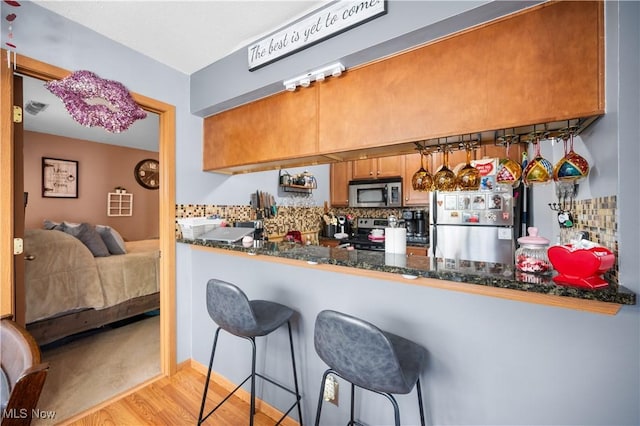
(184, 35)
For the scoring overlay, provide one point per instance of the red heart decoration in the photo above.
(11, 17)
(578, 264)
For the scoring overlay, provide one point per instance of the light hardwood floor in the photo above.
(172, 401)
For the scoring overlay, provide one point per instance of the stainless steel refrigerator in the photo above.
(479, 226)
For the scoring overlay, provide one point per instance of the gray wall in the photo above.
(491, 361)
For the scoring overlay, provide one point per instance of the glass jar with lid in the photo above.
(532, 256)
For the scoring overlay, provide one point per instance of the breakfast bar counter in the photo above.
(482, 278)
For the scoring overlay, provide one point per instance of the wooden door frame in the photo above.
(166, 112)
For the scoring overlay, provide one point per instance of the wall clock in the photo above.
(147, 173)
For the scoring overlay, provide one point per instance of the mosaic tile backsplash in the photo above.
(596, 216)
(303, 219)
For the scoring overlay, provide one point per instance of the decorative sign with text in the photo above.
(327, 22)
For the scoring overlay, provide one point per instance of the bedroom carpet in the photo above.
(92, 369)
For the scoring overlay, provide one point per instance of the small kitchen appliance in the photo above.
(421, 224)
(385, 192)
(415, 222)
(409, 222)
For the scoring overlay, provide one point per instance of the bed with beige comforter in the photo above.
(62, 276)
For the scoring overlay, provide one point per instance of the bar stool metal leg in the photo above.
(320, 397)
(252, 409)
(295, 374)
(206, 384)
(420, 404)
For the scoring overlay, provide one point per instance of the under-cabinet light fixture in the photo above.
(320, 74)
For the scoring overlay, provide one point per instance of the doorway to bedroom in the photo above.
(84, 368)
(163, 355)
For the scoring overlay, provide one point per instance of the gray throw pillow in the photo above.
(112, 239)
(53, 226)
(72, 228)
(91, 238)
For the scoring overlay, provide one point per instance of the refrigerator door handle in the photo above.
(434, 207)
(434, 240)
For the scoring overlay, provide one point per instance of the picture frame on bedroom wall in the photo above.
(59, 178)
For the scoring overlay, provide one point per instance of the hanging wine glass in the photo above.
(539, 169)
(564, 135)
(422, 179)
(509, 171)
(445, 179)
(572, 166)
(468, 178)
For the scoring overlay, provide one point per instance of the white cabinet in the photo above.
(119, 204)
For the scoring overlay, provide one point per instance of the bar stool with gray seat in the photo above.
(232, 311)
(367, 357)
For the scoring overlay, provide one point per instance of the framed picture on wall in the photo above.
(59, 178)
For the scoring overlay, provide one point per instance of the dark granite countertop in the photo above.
(471, 272)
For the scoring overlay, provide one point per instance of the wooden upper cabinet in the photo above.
(340, 175)
(279, 127)
(541, 65)
(378, 167)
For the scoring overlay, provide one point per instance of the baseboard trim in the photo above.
(245, 396)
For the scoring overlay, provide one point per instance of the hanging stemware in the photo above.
(468, 178)
(422, 179)
(572, 166)
(564, 135)
(539, 169)
(509, 171)
(445, 179)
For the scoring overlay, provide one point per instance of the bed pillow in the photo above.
(112, 239)
(51, 225)
(90, 237)
(68, 227)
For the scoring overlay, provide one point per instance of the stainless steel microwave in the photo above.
(376, 192)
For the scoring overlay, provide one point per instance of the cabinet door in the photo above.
(372, 168)
(282, 126)
(412, 197)
(390, 166)
(364, 169)
(340, 175)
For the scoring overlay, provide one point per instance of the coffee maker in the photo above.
(415, 221)
(409, 222)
